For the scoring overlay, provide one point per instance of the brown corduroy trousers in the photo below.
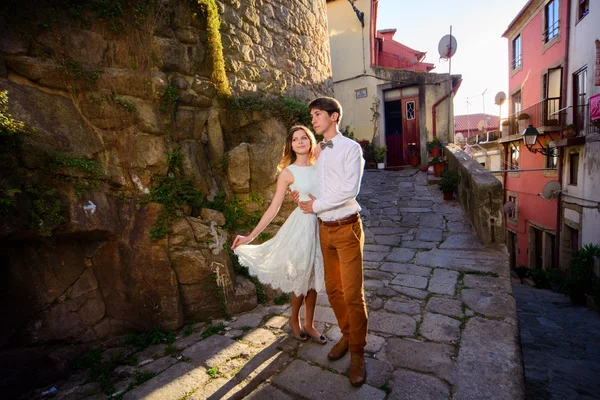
(342, 248)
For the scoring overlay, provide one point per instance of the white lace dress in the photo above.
(292, 259)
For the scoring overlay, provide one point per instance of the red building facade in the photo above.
(537, 48)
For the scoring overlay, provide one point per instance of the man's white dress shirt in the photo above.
(339, 171)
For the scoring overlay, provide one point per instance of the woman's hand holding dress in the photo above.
(240, 240)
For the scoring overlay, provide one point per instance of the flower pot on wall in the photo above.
(448, 196)
(435, 152)
(523, 124)
(380, 165)
(414, 161)
(438, 168)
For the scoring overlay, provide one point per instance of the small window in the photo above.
(584, 8)
(410, 110)
(573, 168)
(517, 106)
(512, 215)
(516, 48)
(552, 160)
(552, 21)
(514, 156)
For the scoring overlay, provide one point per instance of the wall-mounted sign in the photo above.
(361, 93)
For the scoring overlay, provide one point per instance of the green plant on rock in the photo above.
(81, 173)
(142, 340)
(283, 299)
(88, 76)
(129, 106)
(8, 199)
(169, 100)
(290, 110)
(46, 213)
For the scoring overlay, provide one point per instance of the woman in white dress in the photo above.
(292, 259)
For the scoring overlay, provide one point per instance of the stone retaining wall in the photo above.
(480, 194)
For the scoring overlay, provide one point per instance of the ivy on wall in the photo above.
(215, 47)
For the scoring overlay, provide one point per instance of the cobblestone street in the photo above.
(442, 321)
(561, 345)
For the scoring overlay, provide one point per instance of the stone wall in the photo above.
(101, 88)
(480, 194)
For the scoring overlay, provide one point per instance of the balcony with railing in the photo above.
(545, 115)
(484, 137)
(580, 115)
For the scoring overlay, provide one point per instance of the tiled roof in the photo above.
(464, 123)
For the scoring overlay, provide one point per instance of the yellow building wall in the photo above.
(346, 38)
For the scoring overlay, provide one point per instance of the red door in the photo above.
(401, 129)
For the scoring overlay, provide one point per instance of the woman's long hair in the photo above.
(288, 155)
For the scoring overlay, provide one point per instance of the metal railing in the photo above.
(580, 115)
(542, 114)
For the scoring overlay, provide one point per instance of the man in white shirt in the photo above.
(339, 171)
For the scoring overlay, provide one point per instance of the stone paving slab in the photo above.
(409, 269)
(412, 281)
(443, 282)
(172, 384)
(410, 385)
(479, 377)
(312, 382)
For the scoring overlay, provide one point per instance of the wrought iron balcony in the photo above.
(544, 115)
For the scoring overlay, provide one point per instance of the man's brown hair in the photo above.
(327, 104)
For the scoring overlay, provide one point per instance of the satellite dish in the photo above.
(509, 207)
(500, 98)
(459, 137)
(481, 125)
(447, 46)
(551, 190)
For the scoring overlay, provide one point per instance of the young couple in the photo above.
(322, 240)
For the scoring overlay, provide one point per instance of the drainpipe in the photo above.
(561, 150)
(453, 90)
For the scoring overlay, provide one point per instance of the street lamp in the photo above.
(530, 136)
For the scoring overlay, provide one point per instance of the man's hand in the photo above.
(295, 196)
(307, 206)
(240, 240)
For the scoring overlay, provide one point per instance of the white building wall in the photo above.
(582, 53)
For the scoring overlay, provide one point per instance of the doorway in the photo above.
(512, 249)
(401, 129)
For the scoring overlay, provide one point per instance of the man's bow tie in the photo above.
(326, 144)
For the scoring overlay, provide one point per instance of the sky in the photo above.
(482, 54)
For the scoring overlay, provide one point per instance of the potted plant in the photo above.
(523, 121)
(414, 154)
(438, 165)
(569, 131)
(449, 183)
(434, 147)
(380, 152)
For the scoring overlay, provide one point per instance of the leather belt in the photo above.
(350, 219)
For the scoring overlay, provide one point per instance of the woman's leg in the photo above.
(295, 318)
(310, 303)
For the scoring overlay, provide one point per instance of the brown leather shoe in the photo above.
(358, 373)
(339, 349)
